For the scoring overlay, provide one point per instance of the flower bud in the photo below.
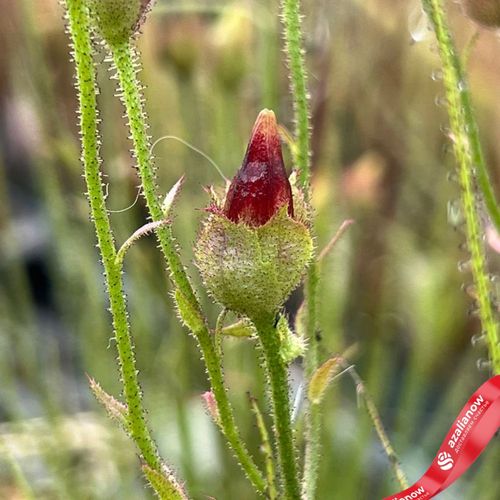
(485, 12)
(231, 46)
(261, 186)
(251, 251)
(119, 20)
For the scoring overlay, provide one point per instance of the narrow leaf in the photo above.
(115, 409)
(242, 328)
(164, 483)
(321, 378)
(171, 197)
(189, 314)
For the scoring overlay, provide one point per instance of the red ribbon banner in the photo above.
(470, 433)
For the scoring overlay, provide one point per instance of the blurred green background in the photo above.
(395, 286)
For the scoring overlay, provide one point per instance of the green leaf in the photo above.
(188, 313)
(242, 328)
(164, 483)
(171, 198)
(115, 409)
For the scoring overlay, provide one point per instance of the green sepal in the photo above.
(118, 20)
(292, 346)
(188, 314)
(252, 271)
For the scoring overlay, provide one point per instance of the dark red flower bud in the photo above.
(260, 187)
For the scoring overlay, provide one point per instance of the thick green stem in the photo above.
(471, 165)
(125, 62)
(78, 18)
(278, 380)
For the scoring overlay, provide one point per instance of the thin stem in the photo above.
(125, 61)
(278, 381)
(377, 422)
(227, 422)
(456, 83)
(471, 167)
(266, 448)
(78, 22)
(294, 49)
(313, 415)
(298, 77)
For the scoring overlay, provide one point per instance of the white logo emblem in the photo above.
(445, 461)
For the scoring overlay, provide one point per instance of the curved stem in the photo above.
(78, 18)
(125, 61)
(469, 156)
(278, 380)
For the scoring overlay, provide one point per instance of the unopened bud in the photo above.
(231, 44)
(252, 251)
(119, 20)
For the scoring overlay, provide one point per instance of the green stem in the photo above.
(374, 415)
(278, 380)
(227, 422)
(125, 61)
(294, 49)
(78, 21)
(471, 165)
(455, 76)
(313, 416)
(298, 77)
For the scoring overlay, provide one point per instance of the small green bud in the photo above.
(231, 45)
(181, 42)
(119, 20)
(484, 12)
(291, 346)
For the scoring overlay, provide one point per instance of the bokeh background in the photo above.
(396, 285)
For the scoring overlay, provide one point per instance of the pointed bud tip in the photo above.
(261, 185)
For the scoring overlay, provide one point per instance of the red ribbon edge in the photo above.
(469, 435)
